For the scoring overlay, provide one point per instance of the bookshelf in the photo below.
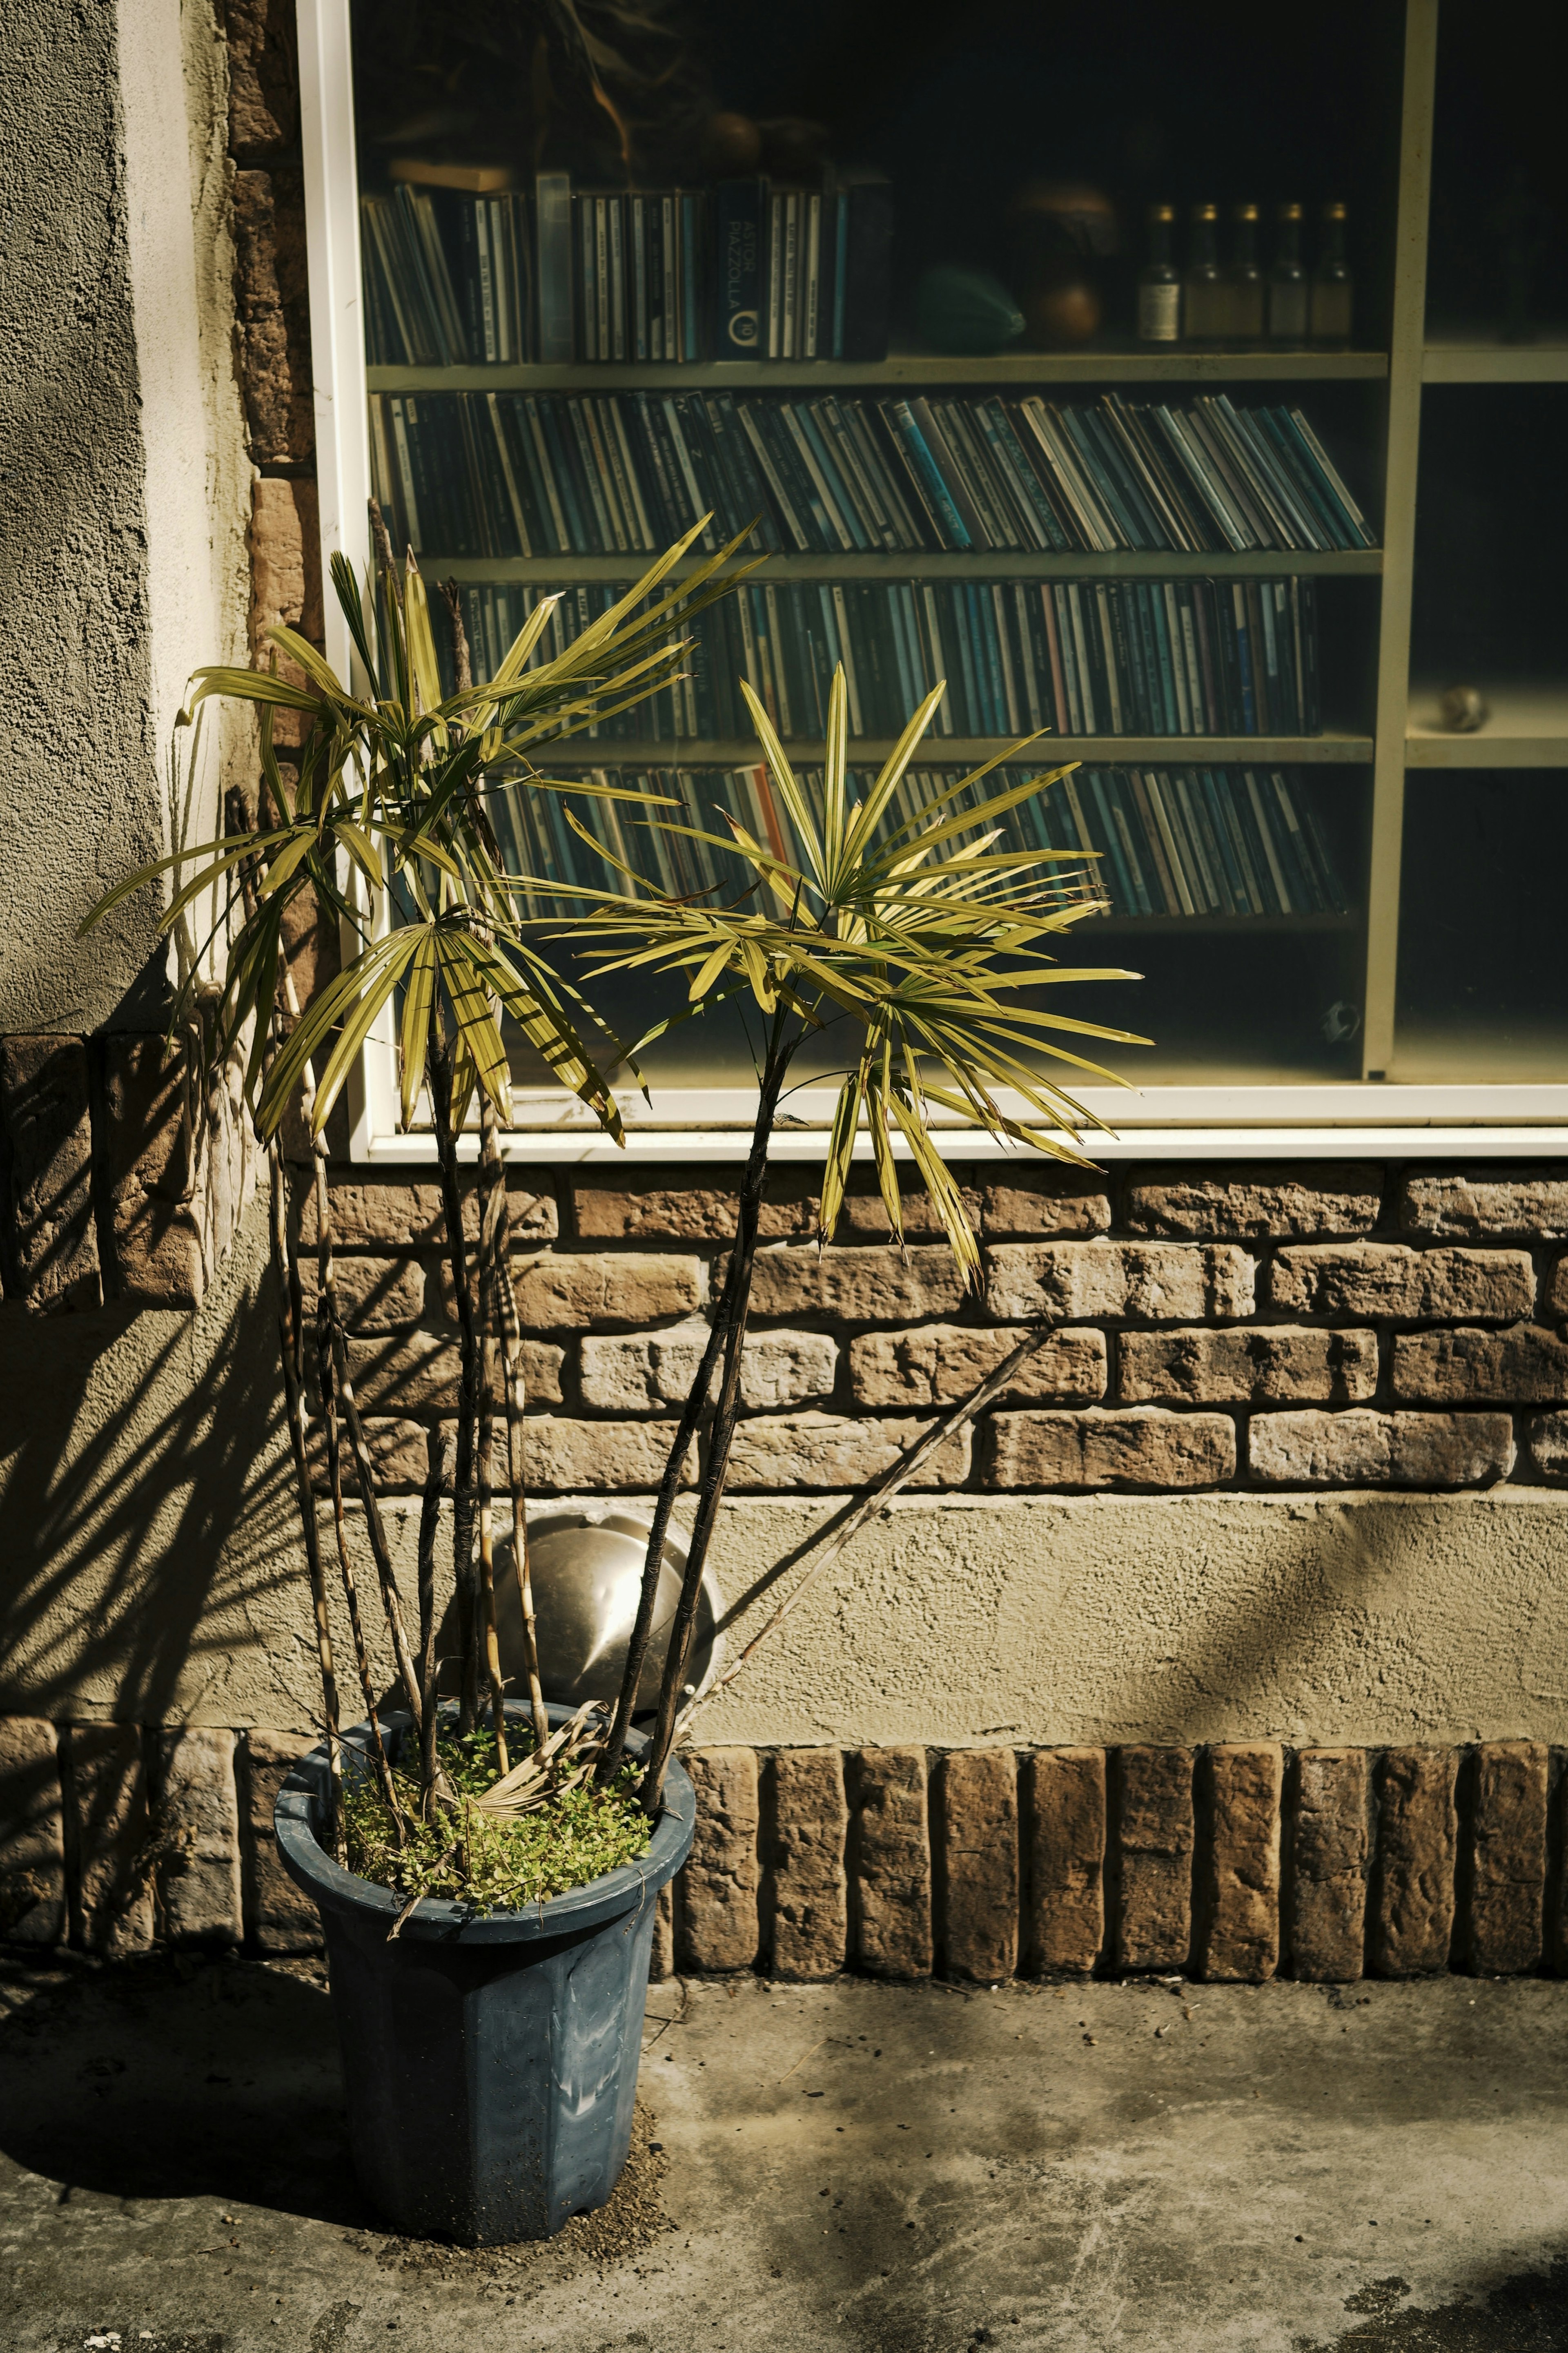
(1381, 737)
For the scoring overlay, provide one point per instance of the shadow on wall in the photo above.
(149, 1555)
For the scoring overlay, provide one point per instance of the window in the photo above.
(1233, 573)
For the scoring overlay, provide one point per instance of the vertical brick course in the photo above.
(661, 1955)
(1502, 1931)
(106, 1836)
(51, 1263)
(197, 1823)
(1062, 1803)
(32, 1834)
(1153, 1831)
(1238, 1889)
(1328, 1848)
(890, 1864)
(717, 1919)
(977, 1863)
(808, 1891)
(279, 1917)
(1412, 1901)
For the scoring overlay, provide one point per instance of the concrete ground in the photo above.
(847, 2168)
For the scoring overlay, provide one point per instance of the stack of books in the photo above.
(1081, 657)
(482, 275)
(1176, 842)
(483, 474)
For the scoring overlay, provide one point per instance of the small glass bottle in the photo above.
(1331, 284)
(1288, 294)
(1160, 281)
(1206, 297)
(1245, 277)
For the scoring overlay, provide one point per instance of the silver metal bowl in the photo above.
(586, 1568)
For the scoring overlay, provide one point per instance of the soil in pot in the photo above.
(491, 1863)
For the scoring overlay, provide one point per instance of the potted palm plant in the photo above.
(487, 1868)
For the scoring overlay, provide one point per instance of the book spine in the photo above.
(1139, 865)
(1265, 834)
(615, 270)
(692, 211)
(811, 293)
(840, 268)
(751, 426)
(1061, 717)
(789, 292)
(953, 530)
(929, 426)
(1080, 657)
(738, 216)
(1124, 898)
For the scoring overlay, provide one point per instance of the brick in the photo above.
(421, 1372)
(1379, 1450)
(1259, 1364)
(399, 1453)
(285, 578)
(864, 1216)
(1152, 1851)
(375, 1294)
(1042, 1202)
(272, 320)
(394, 1216)
(107, 1835)
(807, 1887)
(1238, 1875)
(861, 1286)
(1411, 1922)
(831, 1450)
(717, 1928)
(1527, 1364)
(1330, 1197)
(640, 1372)
(1144, 1448)
(1506, 1879)
(1062, 1801)
(558, 1292)
(1554, 1290)
(279, 1917)
(939, 1363)
(890, 1864)
(1328, 1848)
(595, 1457)
(661, 1955)
(310, 945)
(1549, 1444)
(1490, 1203)
(151, 1154)
(197, 1838)
(51, 1238)
(1148, 1282)
(1389, 1279)
(977, 1863)
(32, 1834)
(667, 1205)
(263, 77)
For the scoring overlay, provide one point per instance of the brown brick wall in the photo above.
(1217, 1330)
(1231, 1863)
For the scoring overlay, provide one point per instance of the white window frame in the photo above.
(1367, 1120)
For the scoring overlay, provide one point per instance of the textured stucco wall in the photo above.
(111, 390)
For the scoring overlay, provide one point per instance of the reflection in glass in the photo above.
(1483, 982)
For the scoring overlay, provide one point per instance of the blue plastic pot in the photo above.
(490, 2061)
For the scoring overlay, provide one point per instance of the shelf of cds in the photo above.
(1185, 565)
(1142, 847)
